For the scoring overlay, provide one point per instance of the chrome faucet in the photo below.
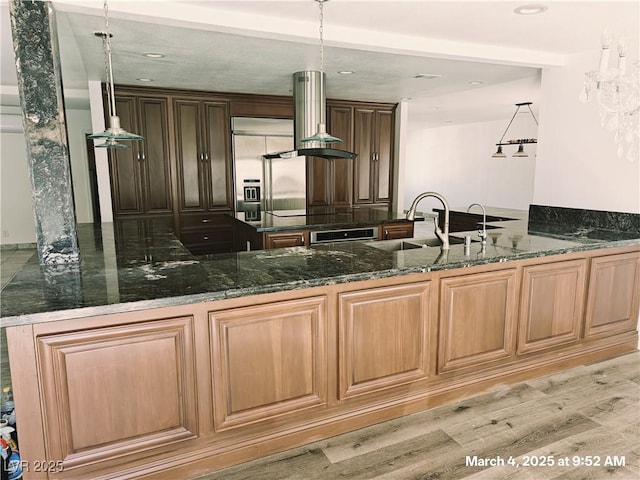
(442, 235)
(481, 233)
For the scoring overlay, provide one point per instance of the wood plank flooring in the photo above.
(579, 424)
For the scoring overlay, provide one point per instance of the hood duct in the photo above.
(309, 110)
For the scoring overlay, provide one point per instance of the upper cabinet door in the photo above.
(189, 156)
(124, 168)
(373, 142)
(363, 144)
(218, 155)
(383, 157)
(154, 158)
(202, 155)
(141, 174)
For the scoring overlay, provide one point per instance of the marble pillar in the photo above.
(35, 44)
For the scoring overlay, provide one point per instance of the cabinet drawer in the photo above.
(203, 221)
(222, 234)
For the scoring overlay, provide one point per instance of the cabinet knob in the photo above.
(205, 220)
(206, 157)
(202, 157)
(205, 238)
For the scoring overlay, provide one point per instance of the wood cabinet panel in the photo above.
(285, 239)
(116, 391)
(477, 319)
(614, 295)
(393, 231)
(363, 143)
(384, 338)
(552, 305)
(141, 175)
(124, 168)
(383, 140)
(268, 360)
(330, 181)
(373, 142)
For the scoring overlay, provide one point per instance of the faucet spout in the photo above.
(443, 234)
(481, 233)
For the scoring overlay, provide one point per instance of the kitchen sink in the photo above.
(413, 243)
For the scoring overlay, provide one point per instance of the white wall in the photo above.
(16, 206)
(577, 162)
(456, 162)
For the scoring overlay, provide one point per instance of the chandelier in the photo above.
(617, 91)
(115, 132)
(520, 141)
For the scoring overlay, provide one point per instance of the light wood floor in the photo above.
(589, 414)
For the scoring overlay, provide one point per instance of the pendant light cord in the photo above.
(106, 41)
(321, 4)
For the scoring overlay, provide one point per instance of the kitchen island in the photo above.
(147, 362)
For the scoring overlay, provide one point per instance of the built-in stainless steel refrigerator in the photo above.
(266, 184)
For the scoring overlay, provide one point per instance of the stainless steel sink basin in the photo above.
(413, 243)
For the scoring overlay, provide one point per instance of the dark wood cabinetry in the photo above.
(203, 156)
(392, 231)
(203, 171)
(330, 181)
(367, 130)
(141, 175)
(373, 142)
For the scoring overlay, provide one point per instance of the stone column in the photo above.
(35, 44)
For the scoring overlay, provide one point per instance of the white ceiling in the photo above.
(255, 46)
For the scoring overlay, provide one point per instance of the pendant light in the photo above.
(321, 134)
(521, 141)
(115, 132)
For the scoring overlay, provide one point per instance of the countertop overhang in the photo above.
(133, 265)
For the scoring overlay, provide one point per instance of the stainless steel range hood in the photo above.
(309, 110)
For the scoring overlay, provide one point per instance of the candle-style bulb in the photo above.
(604, 53)
(622, 57)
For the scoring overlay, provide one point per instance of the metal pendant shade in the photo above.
(321, 134)
(521, 152)
(115, 131)
(499, 153)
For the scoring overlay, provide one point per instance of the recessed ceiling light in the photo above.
(145, 79)
(427, 76)
(346, 72)
(153, 55)
(530, 9)
(475, 82)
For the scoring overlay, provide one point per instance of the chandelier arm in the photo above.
(510, 122)
(534, 117)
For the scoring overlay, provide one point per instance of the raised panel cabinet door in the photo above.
(363, 145)
(384, 338)
(552, 305)
(124, 165)
(318, 182)
(394, 231)
(614, 295)
(268, 360)
(341, 172)
(189, 156)
(155, 157)
(284, 240)
(383, 136)
(477, 320)
(218, 155)
(117, 391)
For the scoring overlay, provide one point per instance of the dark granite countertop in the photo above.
(319, 218)
(133, 265)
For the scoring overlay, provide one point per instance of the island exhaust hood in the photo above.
(309, 111)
